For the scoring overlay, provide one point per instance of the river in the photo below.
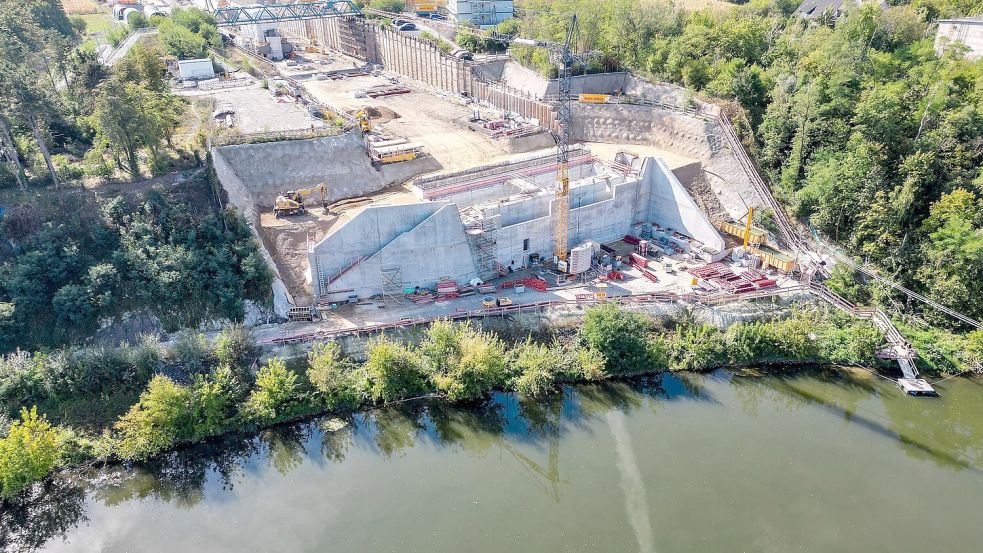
(827, 461)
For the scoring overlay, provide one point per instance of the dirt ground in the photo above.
(437, 123)
(288, 238)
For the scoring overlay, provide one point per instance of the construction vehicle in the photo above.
(291, 202)
(363, 121)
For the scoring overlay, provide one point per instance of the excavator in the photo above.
(291, 202)
(363, 121)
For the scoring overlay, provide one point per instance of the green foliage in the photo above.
(160, 256)
(161, 418)
(394, 371)
(464, 362)
(621, 336)
(276, 394)
(235, 345)
(188, 33)
(28, 452)
(213, 401)
(536, 366)
(333, 376)
(393, 6)
(843, 281)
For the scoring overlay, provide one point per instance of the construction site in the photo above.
(453, 188)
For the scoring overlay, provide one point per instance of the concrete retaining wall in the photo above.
(670, 205)
(240, 196)
(425, 242)
(698, 137)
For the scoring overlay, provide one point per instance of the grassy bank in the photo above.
(201, 390)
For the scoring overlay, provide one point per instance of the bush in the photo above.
(536, 366)
(192, 351)
(394, 371)
(275, 396)
(213, 400)
(621, 336)
(28, 452)
(332, 376)
(235, 345)
(160, 418)
(697, 346)
(463, 362)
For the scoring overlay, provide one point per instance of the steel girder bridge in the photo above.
(275, 13)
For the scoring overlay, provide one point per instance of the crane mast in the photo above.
(563, 57)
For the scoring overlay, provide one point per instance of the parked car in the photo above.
(438, 16)
(407, 27)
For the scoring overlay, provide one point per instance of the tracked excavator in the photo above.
(363, 121)
(291, 202)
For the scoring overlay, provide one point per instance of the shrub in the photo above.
(21, 379)
(332, 376)
(394, 371)
(275, 396)
(586, 363)
(536, 367)
(235, 345)
(621, 336)
(213, 400)
(464, 362)
(192, 351)
(697, 346)
(160, 418)
(28, 453)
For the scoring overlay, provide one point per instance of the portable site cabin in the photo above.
(196, 70)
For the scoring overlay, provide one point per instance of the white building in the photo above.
(483, 13)
(966, 32)
(196, 70)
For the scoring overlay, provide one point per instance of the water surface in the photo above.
(811, 462)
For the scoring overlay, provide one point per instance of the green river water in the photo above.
(811, 462)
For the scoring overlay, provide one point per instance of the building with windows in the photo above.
(483, 13)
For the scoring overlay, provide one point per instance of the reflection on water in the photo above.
(642, 439)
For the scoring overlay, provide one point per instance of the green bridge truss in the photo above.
(275, 13)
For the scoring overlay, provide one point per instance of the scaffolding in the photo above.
(482, 233)
(392, 284)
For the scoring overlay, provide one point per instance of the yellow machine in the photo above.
(363, 121)
(291, 202)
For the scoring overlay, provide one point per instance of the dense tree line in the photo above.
(72, 269)
(201, 389)
(863, 130)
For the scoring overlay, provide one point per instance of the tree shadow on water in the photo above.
(47, 511)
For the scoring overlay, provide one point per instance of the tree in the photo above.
(159, 419)
(394, 371)
(132, 117)
(953, 250)
(332, 376)
(213, 400)
(620, 335)
(28, 452)
(276, 394)
(536, 366)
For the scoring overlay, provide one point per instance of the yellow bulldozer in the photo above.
(291, 202)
